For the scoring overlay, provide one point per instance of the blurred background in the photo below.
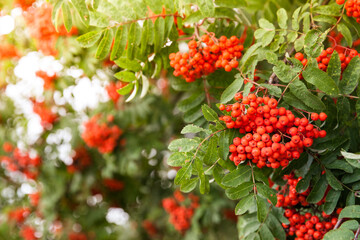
(77, 160)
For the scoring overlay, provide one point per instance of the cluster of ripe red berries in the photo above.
(324, 58)
(8, 51)
(150, 228)
(288, 196)
(205, 56)
(101, 135)
(111, 90)
(28, 233)
(273, 136)
(48, 80)
(22, 162)
(19, 215)
(308, 226)
(181, 210)
(113, 184)
(352, 8)
(77, 236)
(47, 116)
(81, 160)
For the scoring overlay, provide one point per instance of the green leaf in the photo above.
(290, 99)
(204, 184)
(230, 3)
(145, 37)
(191, 102)
(275, 227)
(350, 224)
(295, 19)
(188, 186)
(348, 155)
(267, 192)
(353, 162)
(344, 30)
(89, 39)
(206, 7)
(211, 154)
(350, 212)
(183, 174)
(236, 177)
(330, 10)
(265, 233)
(332, 180)
(265, 24)
(284, 72)
(191, 128)
(299, 43)
(249, 53)
(133, 93)
(125, 90)
(342, 165)
(318, 191)
(267, 38)
(299, 89)
(331, 201)
(282, 18)
(244, 204)
(119, 43)
(262, 210)
(225, 139)
(183, 145)
(104, 45)
(259, 33)
(209, 114)
(351, 76)
(177, 159)
(339, 234)
(230, 91)
(240, 191)
(350, 178)
(291, 37)
(66, 16)
(321, 80)
(273, 90)
(324, 18)
(131, 41)
(127, 64)
(334, 67)
(313, 42)
(159, 34)
(80, 7)
(125, 76)
(98, 19)
(55, 14)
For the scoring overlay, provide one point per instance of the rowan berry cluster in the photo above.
(113, 184)
(22, 162)
(111, 90)
(150, 228)
(47, 116)
(272, 136)
(41, 28)
(81, 160)
(28, 233)
(48, 80)
(205, 56)
(77, 236)
(352, 8)
(324, 58)
(306, 225)
(101, 135)
(288, 196)
(24, 4)
(8, 51)
(181, 210)
(19, 215)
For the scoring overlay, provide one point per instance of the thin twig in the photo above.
(337, 225)
(357, 233)
(207, 94)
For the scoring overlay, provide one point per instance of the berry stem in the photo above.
(357, 233)
(337, 225)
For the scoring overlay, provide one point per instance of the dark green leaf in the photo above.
(230, 91)
(344, 30)
(351, 76)
(334, 67)
(350, 212)
(236, 177)
(321, 80)
(265, 233)
(318, 191)
(244, 204)
(262, 210)
(209, 114)
(211, 152)
(267, 192)
(331, 201)
(333, 181)
(299, 89)
(159, 34)
(240, 191)
(183, 174)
